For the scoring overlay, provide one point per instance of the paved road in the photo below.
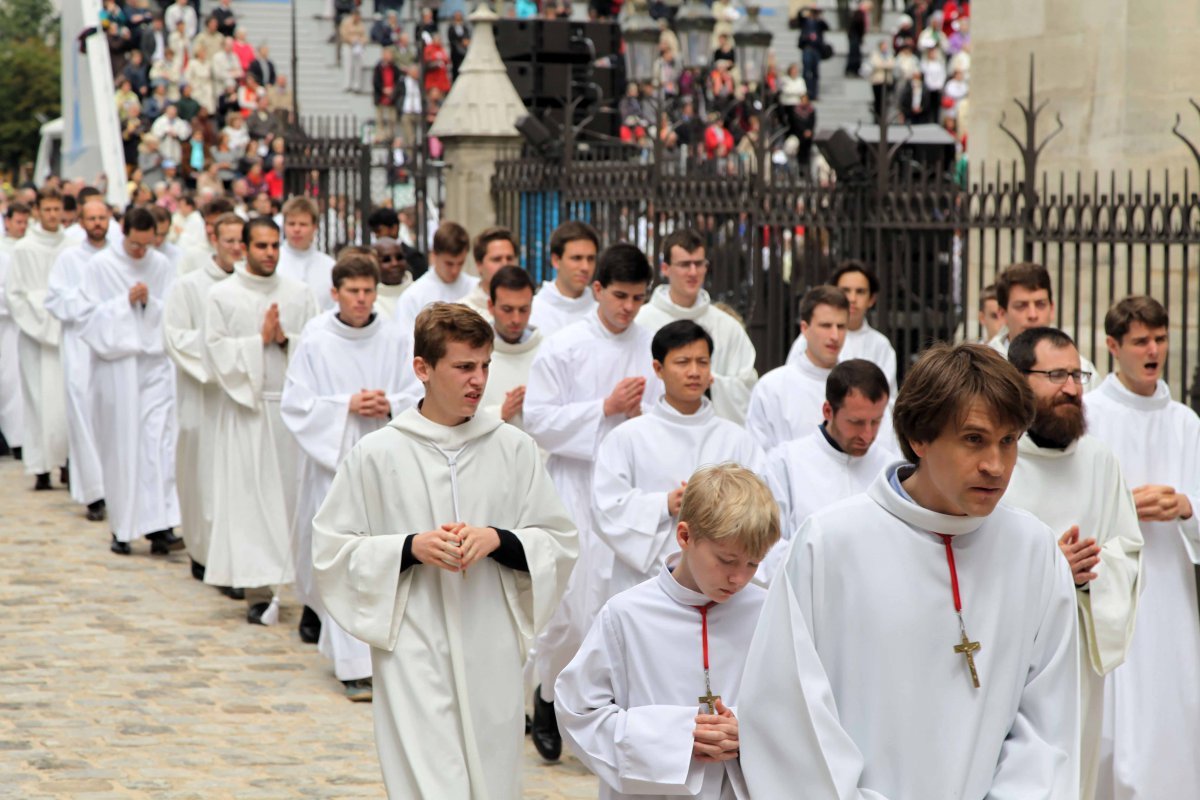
(121, 677)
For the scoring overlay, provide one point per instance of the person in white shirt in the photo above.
(493, 249)
(568, 298)
(786, 402)
(299, 258)
(649, 702)
(991, 316)
(861, 287)
(516, 346)
(685, 265)
(444, 282)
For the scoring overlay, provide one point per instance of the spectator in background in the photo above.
(387, 84)
(883, 75)
(187, 105)
(724, 52)
(914, 101)
(249, 95)
(199, 75)
(137, 74)
(437, 61)
(410, 109)
(180, 45)
(905, 35)
(812, 47)
(274, 178)
(226, 66)
(226, 19)
(804, 125)
(262, 68)
(181, 12)
(792, 87)
(153, 41)
(352, 34)
(155, 104)
(167, 73)
(718, 141)
(458, 36)
(171, 133)
(210, 38)
(128, 104)
(385, 30)
(933, 75)
(243, 49)
(279, 101)
(235, 129)
(860, 21)
(149, 160)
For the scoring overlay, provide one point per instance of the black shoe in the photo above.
(97, 511)
(197, 570)
(16, 453)
(232, 593)
(64, 477)
(528, 724)
(43, 483)
(310, 626)
(546, 738)
(255, 614)
(163, 542)
(120, 548)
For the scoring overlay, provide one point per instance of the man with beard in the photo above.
(1073, 483)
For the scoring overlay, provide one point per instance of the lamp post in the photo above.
(641, 35)
(694, 25)
(752, 41)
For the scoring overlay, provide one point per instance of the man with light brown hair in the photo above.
(445, 281)
(446, 577)
(299, 258)
(493, 249)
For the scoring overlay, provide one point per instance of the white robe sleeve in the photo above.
(629, 520)
(1189, 529)
(758, 419)
(182, 336)
(567, 429)
(64, 297)
(776, 475)
(27, 301)
(237, 361)
(641, 750)
(316, 416)
(115, 329)
(5, 266)
(732, 387)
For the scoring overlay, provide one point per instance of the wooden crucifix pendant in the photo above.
(968, 648)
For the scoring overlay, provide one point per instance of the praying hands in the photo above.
(272, 329)
(139, 294)
(1161, 504)
(716, 736)
(370, 403)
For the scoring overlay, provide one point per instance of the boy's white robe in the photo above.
(1152, 701)
(553, 310)
(133, 386)
(427, 289)
(627, 703)
(64, 302)
(733, 353)
(866, 343)
(387, 297)
(510, 369)
(310, 267)
(786, 403)
(868, 581)
(446, 650)
(254, 458)
(12, 417)
(333, 362)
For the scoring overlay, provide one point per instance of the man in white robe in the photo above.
(133, 399)
(1073, 483)
(444, 282)
(249, 322)
(515, 346)
(1152, 701)
(585, 381)
(197, 392)
(493, 249)
(12, 418)
(64, 300)
(198, 253)
(162, 230)
(568, 298)
(446, 575)
(350, 374)
(642, 466)
(971, 693)
(684, 266)
(990, 315)
(299, 258)
(395, 277)
(861, 287)
(786, 403)
(43, 392)
(628, 701)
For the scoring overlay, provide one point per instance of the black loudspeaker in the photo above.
(840, 149)
(556, 40)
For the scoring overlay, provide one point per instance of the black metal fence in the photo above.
(935, 241)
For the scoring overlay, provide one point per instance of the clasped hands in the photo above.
(272, 330)
(716, 736)
(139, 294)
(370, 403)
(455, 546)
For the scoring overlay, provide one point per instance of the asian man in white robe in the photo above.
(1152, 701)
(197, 393)
(350, 374)
(493, 249)
(516, 345)
(944, 619)
(446, 574)
(250, 321)
(642, 465)
(1072, 482)
(43, 391)
(586, 380)
(786, 403)
(568, 298)
(12, 417)
(649, 703)
(125, 288)
(299, 258)
(395, 277)
(861, 287)
(444, 282)
(684, 266)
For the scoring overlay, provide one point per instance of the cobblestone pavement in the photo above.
(122, 677)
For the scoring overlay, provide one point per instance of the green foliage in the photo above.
(29, 75)
(28, 19)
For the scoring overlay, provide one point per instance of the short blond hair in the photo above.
(728, 502)
(300, 205)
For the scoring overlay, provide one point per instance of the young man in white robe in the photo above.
(786, 402)
(586, 380)
(649, 703)
(861, 287)
(250, 321)
(394, 276)
(350, 374)
(64, 300)
(1072, 482)
(162, 230)
(943, 619)
(12, 417)
(444, 282)
(133, 385)
(299, 258)
(568, 298)
(446, 574)
(43, 389)
(197, 254)
(493, 249)
(516, 345)
(197, 392)
(840, 458)
(685, 266)
(1152, 701)
(642, 465)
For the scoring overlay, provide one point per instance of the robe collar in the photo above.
(908, 512)
(444, 437)
(286, 249)
(676, 590)
(811, 371)
(1027, 448)
(257, 283)
(38, 237)
(345, 331)
(1113, 389)
(212, 270)
(531, 341)
(667, 412)
(387, 290)
(88, 250)
(601, 330)
(557, 298)
(661, 299)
